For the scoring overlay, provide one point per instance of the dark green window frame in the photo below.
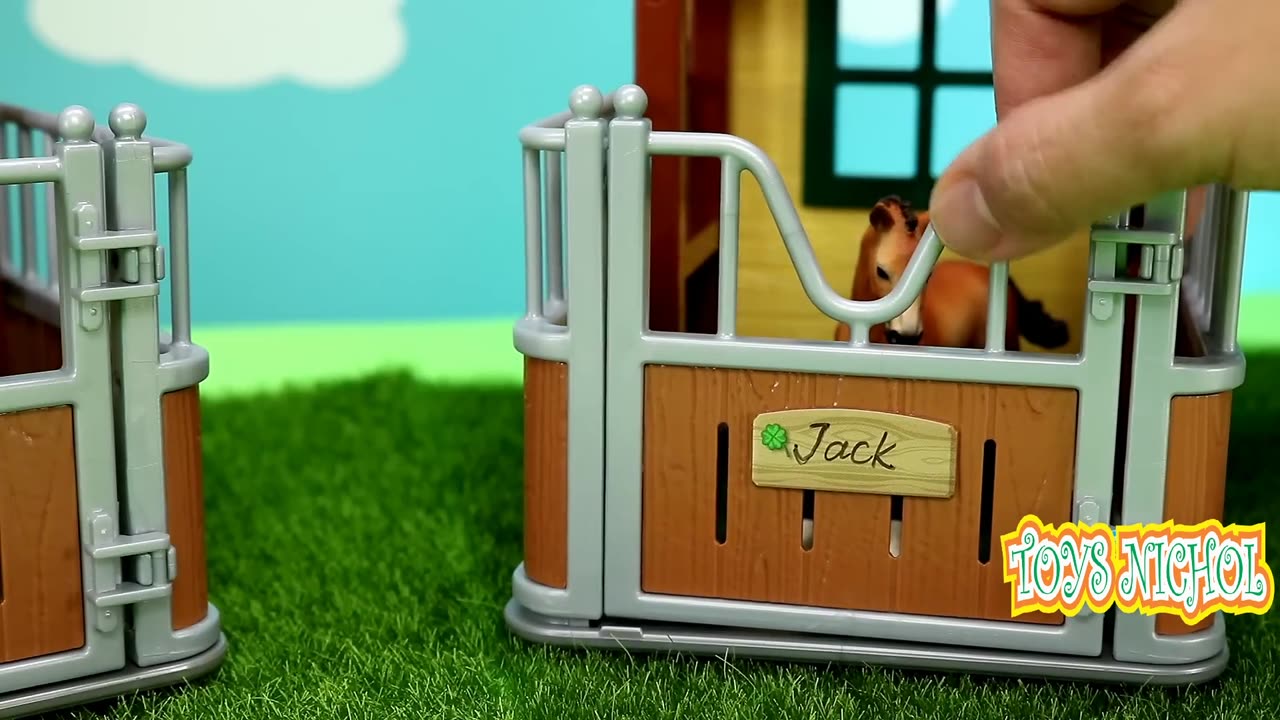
(822, 186)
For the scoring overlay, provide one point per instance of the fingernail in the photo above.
(963, 220)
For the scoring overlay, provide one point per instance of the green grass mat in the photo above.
(362, 537)
(1259, 322)
(259, 358)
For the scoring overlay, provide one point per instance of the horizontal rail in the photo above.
(17, 171)
(754, 160)
(49, 388)
(26, 117)
(537, 138)
(827, 357)
(169, 156)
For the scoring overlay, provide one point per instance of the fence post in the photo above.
(87, 347)
(1147, 433)
(135, 328)
(584, 176)
(627, 279)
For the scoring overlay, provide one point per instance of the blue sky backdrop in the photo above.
(369, 169)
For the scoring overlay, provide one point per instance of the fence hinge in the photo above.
(151, 558)
(1159, 268)
(133, 249)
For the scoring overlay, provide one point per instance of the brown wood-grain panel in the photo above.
(184, 496)
(1196, 476)
(546, 472)
(849, 564)
(41, 598)
(27, 344)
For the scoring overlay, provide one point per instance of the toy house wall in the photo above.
(767, 106)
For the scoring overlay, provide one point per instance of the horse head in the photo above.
(887, 246)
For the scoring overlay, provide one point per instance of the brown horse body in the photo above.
(952, 309)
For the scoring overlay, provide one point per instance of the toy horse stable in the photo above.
(952, 309)
(103, 585)
(664, 509)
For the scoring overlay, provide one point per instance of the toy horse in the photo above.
(952, 309)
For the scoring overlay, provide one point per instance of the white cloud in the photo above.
(224, 44)
(883, 22)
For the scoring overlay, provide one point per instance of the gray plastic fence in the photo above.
(605, 144)
(31, 136)
(86, 193)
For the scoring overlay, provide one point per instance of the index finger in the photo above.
(1040, 47)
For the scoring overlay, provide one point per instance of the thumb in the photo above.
(1062, 161)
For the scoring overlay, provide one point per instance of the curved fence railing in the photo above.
(1211, 284)
(738, 155)
(544, 144)
(544, 209)
(29, 170)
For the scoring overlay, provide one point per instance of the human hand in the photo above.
(1103, 104)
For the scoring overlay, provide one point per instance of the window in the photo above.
(895, 90)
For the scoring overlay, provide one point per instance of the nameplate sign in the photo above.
(859, 451)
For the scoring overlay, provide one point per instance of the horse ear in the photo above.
(881, 218)
(922, 222)
(862, 289)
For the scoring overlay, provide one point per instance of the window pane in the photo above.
(878, 35)
(964, 35)
(960, 116)
(876, 130)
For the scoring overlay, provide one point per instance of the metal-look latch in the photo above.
(1160, 263)
(134, 250)
(153, 560)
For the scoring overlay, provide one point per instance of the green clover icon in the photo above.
(774, 436)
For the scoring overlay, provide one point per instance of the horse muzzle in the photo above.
(896, 338)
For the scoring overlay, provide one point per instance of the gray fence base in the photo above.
(106, 686)
(744, 643)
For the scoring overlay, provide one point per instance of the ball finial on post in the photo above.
(630, 102)
(75, 124)
(127, 121)
(586, 102)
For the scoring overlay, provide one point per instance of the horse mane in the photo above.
(909, 216)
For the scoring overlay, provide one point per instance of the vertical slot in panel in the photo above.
(806, 520)
(895, 526)
(988, 493)
(722, 482)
